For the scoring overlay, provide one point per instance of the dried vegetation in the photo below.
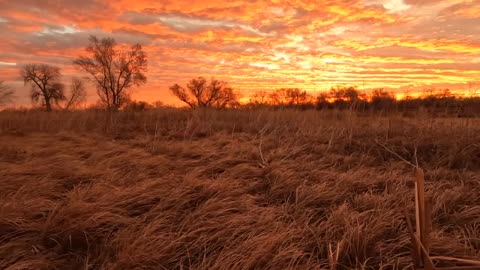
(235, 189)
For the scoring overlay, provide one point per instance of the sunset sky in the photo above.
(255, 45)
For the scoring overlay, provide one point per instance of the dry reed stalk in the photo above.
(420, 209)
(424, 227)
(460, 268)
(458, 260)
(415, 248)
(427, 261)
(428, 224)
(334, 255)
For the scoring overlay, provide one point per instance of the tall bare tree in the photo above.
(113, 69)
(200, 93)
(6, 94)
(45, 83)
(77, 95)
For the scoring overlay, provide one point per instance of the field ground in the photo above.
(231, 190)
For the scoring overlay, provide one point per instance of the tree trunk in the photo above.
(116, 102)
(48, 106)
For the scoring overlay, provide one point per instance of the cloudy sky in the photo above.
(256, 44)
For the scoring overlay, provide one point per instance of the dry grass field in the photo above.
(234, 189)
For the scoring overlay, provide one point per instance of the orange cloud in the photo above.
(311, 44)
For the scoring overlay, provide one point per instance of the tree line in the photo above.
(114, 70)
(350, 98)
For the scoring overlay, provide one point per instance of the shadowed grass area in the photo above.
(235, 189)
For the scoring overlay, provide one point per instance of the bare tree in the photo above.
(6, 94)
(113, 70)
(77, 95)
(44, 80)
(382, 100)
(260, 98)
(290, 97)
(138, 106)
(158, 104)
(200, 93)
(277, 98)
(296, 96)
(181, 93)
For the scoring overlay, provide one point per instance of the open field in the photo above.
(235, 189)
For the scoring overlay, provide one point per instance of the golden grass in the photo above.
(237, 189)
